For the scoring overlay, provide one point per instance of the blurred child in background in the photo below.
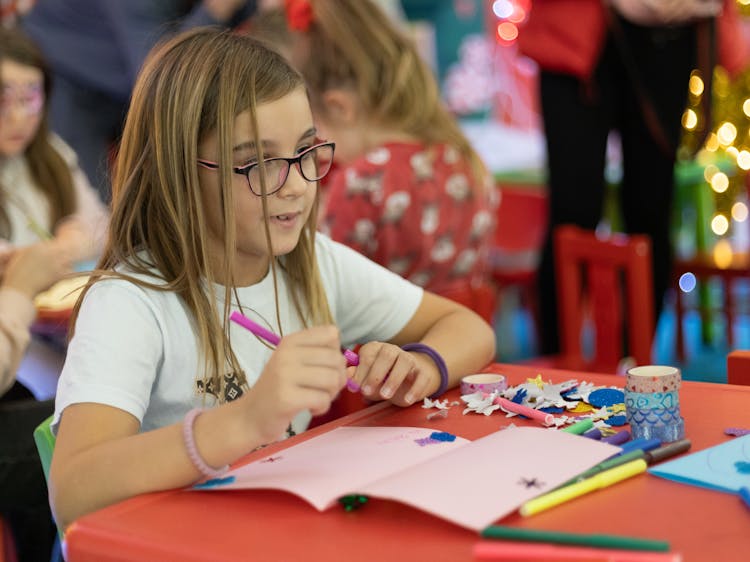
(408, 190)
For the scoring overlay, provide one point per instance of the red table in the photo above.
(704, 525)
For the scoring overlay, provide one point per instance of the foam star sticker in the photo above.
(439, 404)
(583, 391)
(480, 403)
(537, 381)
(617, 408)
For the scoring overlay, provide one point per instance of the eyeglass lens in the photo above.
(313, 164)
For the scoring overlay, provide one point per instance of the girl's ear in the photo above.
(340, 106)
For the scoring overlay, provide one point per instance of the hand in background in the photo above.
(32, 269)
(666, 12)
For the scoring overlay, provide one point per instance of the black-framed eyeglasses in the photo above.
(312, 163)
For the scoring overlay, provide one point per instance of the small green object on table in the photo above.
(353, 501)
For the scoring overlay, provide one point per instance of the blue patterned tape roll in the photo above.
(653, 416)
(646, 400)
(664, 433)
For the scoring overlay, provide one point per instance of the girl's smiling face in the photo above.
(286, 129)
(21, 106)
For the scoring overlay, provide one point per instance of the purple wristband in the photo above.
(442, 368)
(192, 449)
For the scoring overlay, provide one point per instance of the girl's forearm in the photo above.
(465, 342)
(120, 468)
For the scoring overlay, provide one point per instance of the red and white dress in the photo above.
(412, 208)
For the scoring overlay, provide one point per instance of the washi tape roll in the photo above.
(483, 382)
(644, 400)
(653, 416)
(653, 378)
(664, 433)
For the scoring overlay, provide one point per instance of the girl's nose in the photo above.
(295, 184)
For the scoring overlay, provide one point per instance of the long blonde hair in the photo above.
(353, 44)
(193, 84)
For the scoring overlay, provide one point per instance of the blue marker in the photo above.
(642, 444)
(745, 496)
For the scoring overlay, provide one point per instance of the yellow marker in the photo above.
(601, 480)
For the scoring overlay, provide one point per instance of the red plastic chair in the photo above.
(609, 281)
(738, 367)
(521, 227)
(7, 545)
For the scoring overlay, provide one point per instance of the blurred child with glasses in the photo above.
(214, 206)
(49, 218)
(408, 190)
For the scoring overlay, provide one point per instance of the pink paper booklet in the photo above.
(470, 483)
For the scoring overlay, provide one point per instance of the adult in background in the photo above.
(624, 65)
(95, 48)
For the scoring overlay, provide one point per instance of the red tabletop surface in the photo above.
(702, 524)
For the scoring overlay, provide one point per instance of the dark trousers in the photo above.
(24, 502)
(577, 120)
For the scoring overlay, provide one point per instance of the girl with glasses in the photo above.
(214, 204)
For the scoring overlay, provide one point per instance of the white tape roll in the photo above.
(483, 382)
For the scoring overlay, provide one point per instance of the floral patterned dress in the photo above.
(415, 210)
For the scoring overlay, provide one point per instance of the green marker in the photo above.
(605, 465)
(559, 537)
(579, 427)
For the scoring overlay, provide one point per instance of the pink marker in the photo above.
(352, 359)
(505, 404)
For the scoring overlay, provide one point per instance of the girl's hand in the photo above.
(306, 372)
(386, 371)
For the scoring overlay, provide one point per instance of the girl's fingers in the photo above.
(375, 364)
(403, 367)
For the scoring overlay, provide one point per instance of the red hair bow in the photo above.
(299, 14)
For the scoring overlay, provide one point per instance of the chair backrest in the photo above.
(45, 446)
(738, 367)
(596, 275)
(521, 228)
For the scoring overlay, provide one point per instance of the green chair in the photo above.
(45, 445)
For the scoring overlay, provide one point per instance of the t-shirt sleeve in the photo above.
(368, 302)
(115, 318)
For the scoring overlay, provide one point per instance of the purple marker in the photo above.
(618, 438)
(593, 433)
(352, 359)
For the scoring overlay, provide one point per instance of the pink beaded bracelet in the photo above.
(192, 449)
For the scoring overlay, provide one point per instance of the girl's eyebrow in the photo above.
(250, 145)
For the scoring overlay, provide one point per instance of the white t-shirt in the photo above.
(135, 348)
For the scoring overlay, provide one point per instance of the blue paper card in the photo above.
(724, 467)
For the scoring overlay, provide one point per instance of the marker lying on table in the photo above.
(559, 537)
(538, 415)
(579, 427)
(596, 482)
(642, 444)
(519, 551)
(618, 438)
(651, 457)
(352, 359)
